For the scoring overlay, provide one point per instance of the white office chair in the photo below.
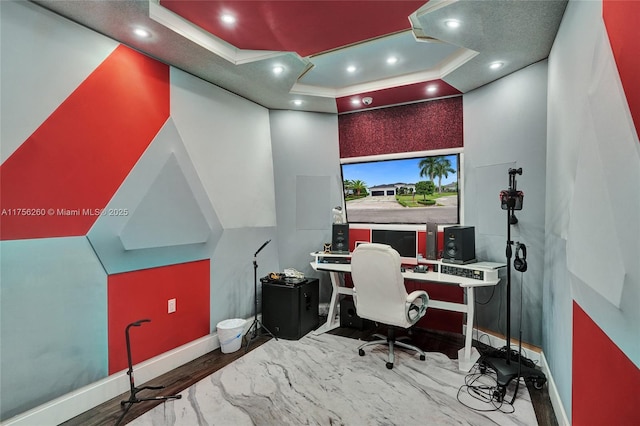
(380, 295)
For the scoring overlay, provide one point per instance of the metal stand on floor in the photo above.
(255, 327)
(133, 398)
(509, 367)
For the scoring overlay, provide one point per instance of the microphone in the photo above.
(261, 247)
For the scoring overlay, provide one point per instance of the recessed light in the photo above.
(228, 19)
(297, 102)
(496, 65)
(392, 60)
(278, 69)
(351, 68)
(355, 101)
(432, 88)
(141, 32)
(452, 23)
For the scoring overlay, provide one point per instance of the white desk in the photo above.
(468, 355)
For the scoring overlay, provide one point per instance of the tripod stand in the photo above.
(252, 333)
(507, 368)
(133, 399)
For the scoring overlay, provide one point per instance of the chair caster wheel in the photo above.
(361, 352)
(422, 357)
(389, 365)
(538, 384)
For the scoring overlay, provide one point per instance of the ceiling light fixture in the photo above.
(496, 65)
(392, 60)
(228, 19)
(278, 69)
(141, 32)
(297, 102)
(452, 23)
(351, 68)
(355, 101)
(432, 88)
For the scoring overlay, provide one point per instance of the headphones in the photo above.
(520, 263)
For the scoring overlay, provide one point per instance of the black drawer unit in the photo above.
(290, 311)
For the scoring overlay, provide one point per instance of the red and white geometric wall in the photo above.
(118, 179)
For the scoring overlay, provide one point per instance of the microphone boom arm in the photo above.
(261, 247)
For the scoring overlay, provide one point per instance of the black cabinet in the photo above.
(290, 311)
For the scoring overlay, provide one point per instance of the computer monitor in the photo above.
(405, 243)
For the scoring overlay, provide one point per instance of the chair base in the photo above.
(391, 341)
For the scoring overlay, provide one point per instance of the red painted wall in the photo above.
(358, 235)
(605, 382)
(77, 159)
(622, 20)
(144, 294)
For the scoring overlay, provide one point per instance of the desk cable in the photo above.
(482, 386)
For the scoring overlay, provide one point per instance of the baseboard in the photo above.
(554, 395)
(497, 341)
(77, 402)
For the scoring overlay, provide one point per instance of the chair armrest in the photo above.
(416, 305)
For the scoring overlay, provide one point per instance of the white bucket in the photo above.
(230, 334)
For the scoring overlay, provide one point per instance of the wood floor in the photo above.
(110, 412)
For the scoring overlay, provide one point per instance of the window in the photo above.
(414, 188)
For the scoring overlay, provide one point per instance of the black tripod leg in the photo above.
(267, 330)
(124, 412)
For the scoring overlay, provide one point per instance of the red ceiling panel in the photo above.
(305, 27)
(397, 95)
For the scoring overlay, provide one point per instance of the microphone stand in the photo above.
(252, 332)
(507, 368)
(133, 399)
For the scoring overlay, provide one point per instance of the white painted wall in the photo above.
(228, 143)
(505, 127)
(592, 243)
(27, 73)
(308, 185)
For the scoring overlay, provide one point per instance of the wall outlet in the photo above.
(171, 306)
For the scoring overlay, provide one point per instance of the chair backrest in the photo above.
(380, 294)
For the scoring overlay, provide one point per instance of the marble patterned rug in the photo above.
(321, 380)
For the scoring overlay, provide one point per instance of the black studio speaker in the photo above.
(348, 316)
(459, 245)
(432, 241)
(340, 238)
